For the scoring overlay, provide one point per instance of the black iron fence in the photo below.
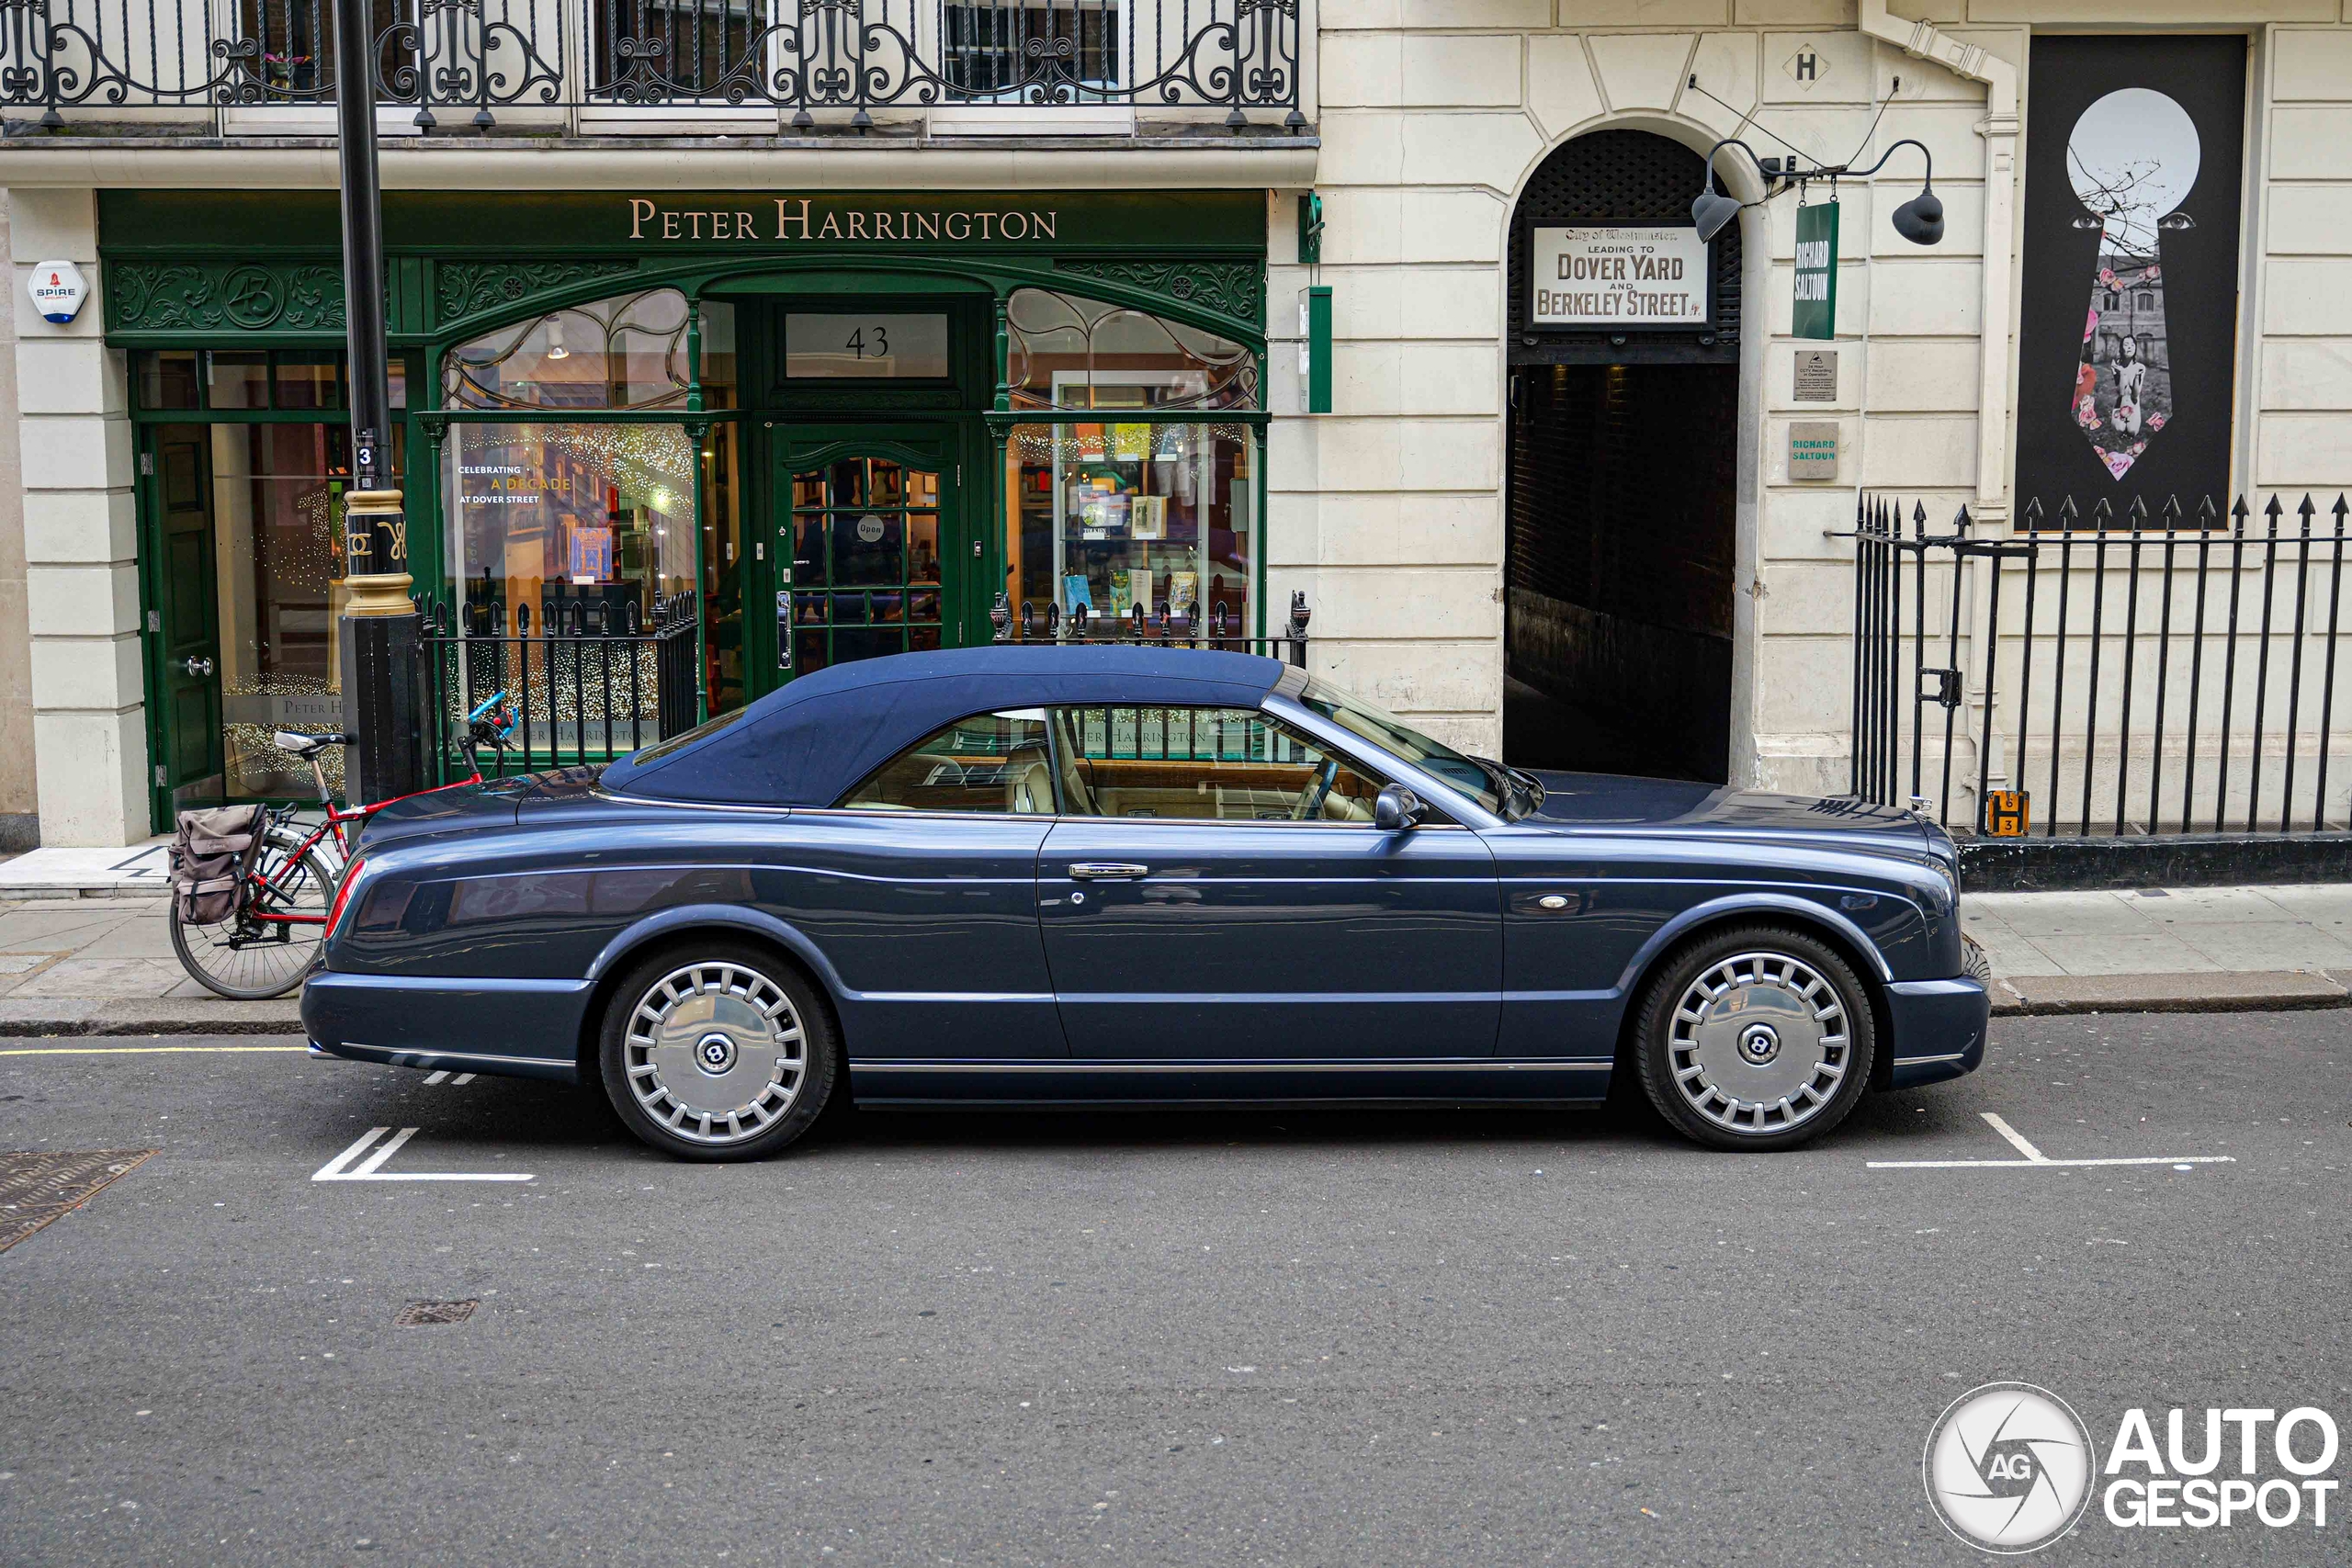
(584, 687)
(475, 60)
(2101, 673)
(1164, 626)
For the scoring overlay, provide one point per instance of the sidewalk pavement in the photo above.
(102, 962)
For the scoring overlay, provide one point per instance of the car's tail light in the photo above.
(343, 895)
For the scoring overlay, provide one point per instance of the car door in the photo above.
(1214, 888)
(921, 893)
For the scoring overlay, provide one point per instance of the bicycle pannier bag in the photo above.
(211, 855)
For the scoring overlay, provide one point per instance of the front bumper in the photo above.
(1937, 1029)
(527, 1029)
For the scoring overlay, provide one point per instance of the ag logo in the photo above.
(2009, 1468)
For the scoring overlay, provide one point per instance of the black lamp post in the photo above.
(377, 636)
(1919, 219)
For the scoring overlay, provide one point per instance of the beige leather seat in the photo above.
(1029, 784)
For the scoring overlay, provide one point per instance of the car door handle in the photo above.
(1108, 871)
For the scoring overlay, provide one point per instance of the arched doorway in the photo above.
(1620, 488)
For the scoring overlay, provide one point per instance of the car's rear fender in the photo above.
(668, 926)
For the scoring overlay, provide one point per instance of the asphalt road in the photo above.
(1232, 1338)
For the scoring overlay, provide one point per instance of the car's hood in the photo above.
(1590, 801)
(471, 808)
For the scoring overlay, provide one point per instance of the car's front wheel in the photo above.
(1757, 1037)
(718, 1052)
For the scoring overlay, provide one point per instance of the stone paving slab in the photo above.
(2249, 991)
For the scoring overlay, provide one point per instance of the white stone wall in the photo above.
(1390, 508)
(81, 571)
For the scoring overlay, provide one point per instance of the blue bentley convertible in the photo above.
(1025, 875)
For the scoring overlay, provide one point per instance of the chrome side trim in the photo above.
(947, 996)
(1417, 1065)
(402, 1056)
(1928, 1061)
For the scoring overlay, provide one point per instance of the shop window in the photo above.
(1111, 517)
(1068, 352)
(627, 352)
(580, 528)
(991, 762)
(169, 379)
(250, 379)
(236, 379)
(1203, 764)
(313, 380)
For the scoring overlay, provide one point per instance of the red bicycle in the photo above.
(270, 940)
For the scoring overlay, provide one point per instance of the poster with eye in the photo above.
(2127, 355)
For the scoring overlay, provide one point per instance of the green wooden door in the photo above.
(184, 678)
(871, 550)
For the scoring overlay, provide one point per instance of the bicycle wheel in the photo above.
(251, 957)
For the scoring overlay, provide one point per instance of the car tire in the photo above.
(718, 1050)
(1757, 1037)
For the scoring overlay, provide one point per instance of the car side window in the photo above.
(994, 763)
(1203, 764)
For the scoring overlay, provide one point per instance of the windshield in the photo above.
(1480, 781)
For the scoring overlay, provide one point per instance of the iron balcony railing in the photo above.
(2099, 674)
(533, 64)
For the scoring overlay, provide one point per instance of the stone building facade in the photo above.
(1438, 135)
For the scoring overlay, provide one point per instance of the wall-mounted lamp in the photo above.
(1919, 219)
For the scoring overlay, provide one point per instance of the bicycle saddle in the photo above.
(307, 745)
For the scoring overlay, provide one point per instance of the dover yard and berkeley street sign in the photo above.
(1634, 274)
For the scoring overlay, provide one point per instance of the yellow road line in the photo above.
(133, 1050)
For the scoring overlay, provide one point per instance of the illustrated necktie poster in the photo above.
(2127, 353)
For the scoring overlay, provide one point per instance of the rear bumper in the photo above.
(526, 1029)
(1938, 1029)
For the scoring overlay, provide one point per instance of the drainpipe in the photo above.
(1921, 41)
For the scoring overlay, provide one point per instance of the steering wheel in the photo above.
(1310, 804)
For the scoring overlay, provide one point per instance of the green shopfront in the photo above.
(822, 427)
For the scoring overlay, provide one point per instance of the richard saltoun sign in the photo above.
(1631, 274)
(1815, 302)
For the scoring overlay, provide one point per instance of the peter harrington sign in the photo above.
(1636, 274)
(796, 219)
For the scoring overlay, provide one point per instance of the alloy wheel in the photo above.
(714, 1053)
(1758, 1044)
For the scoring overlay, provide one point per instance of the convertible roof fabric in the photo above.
(812, 743)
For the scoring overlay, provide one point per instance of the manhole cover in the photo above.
(417, 1313)
(37, 1186)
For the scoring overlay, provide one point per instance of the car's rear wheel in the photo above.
(1757, 1037)
(718, 1052)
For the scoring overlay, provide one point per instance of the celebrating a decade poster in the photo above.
(2128, 324)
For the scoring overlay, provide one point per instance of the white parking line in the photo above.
(2034, 1156)
(370, 1169)
(441, 1077)
(461, 1080)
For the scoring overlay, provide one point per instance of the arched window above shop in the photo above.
(1069, 352)
(626, 352)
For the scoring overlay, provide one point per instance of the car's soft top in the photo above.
(809, 743)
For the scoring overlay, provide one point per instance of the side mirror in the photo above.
(1396, 808)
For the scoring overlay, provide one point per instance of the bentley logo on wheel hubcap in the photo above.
(715, 1053)
(1759, 1042)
